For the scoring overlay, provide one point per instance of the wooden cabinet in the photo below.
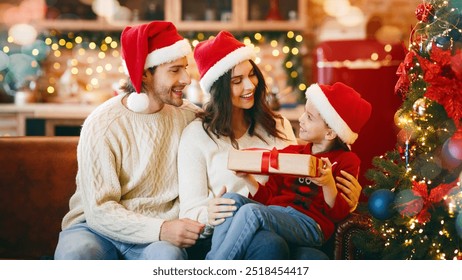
(237, 15)
(201, 15)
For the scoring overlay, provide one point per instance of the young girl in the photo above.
(302, 210)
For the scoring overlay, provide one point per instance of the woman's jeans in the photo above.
(79, 242)
(231, 239)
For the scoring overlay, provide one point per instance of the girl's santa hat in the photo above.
(215, 57)
(145, 46)
(341, 107)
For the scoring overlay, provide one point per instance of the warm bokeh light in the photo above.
(336, 8)
(354, 17)
(22, 34)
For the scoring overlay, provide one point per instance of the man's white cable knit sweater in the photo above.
(127, 183)
(202, 165)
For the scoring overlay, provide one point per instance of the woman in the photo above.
(237, 116)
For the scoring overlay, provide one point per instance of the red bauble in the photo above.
(448, 162)
(423, 12)
(455, 147)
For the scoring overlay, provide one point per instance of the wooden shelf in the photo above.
(239, 21)
(77, 25)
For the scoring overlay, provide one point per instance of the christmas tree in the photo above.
(415, 201)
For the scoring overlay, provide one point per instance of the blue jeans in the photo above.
(265, 245)
(79, 242)
(231, 239)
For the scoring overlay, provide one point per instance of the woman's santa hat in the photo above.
(341, 107)
(145, 46)
(215, 57)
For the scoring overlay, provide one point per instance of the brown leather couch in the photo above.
(37, 178)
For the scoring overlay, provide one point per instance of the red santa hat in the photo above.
(215, 57)
(148, 45)
(341, 107)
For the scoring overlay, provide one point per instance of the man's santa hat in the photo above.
(146, 46)
(215, 57)
(341, 107)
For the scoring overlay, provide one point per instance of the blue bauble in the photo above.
(381, 204)
(459, 225)
(443, 42)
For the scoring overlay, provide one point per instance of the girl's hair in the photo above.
(217, 115)
(128, 86)
(340, 145)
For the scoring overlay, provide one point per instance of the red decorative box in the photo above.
(260, 161)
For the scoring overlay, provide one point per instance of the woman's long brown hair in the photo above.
(217, 114)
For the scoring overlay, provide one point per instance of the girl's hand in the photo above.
(325, 179)
(327, 182)
(220, 208)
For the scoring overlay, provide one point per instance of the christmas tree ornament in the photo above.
(405, 135)
(381, 204)
(398, 119)
(407, 203)
(448, 162)
(453, 201)
(424, 12)
(459, 225)
(402, 85)
(443, 42)
(402, 119)
(429, 197)
(454, 34)
(455, 145)
(420, 107)
(405, 139)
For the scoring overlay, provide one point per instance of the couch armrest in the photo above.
(344, 247)
(37, 178)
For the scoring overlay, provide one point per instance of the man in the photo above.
(126, 202)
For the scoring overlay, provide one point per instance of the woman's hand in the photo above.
(350, 189)
(220, 208)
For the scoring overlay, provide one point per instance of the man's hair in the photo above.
(128, 86)
(217, 114)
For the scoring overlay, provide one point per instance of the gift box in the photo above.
(260, 161)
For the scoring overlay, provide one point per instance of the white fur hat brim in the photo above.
(224, 65)
(168, 54)
(316, 96)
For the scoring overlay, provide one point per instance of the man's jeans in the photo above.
(231, 239)
(79, 242)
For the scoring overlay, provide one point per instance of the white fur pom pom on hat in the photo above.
(138, 102)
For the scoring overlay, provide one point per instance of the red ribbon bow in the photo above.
(269, 159)
(429, 198)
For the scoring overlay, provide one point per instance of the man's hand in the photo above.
(182, 232)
